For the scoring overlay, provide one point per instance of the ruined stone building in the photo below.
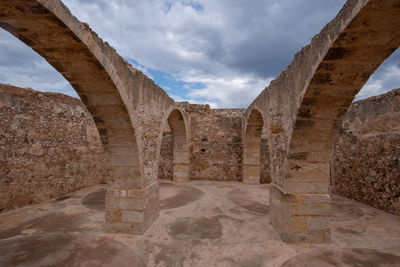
(301, 141)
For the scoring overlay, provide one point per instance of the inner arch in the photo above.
(180, 148)
(252, 148)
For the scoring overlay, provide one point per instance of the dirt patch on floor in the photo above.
(31, 250)
(95, 200)
(101, 252)
(66, 250)
(182, 196)
(345, 257)
(170, 256)
(240, 198)
(345, 211)
(50, 223)
(196, 228)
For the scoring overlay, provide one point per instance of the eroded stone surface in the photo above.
(240, 198)
(214, 144)
(127, 107)
(214, 230)
(301, 110)
(344, 257)
(304, 106)
(49, 146)
(196, 228)
(95, 200)
(178, 196)
(365, 164)
(67, 250)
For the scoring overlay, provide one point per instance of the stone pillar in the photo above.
(300, 217)
(132, 202)
(181, 163)
(301, 208)
(251, 161)
(181, 172)
(181, 150)
(251, 173)
(131, 211)
(251, 167)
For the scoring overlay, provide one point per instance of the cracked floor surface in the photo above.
(201, 223)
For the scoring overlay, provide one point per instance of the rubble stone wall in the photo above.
(365, 164)
(49, 146)
(265, 171)
(215, 144)
(166, 167)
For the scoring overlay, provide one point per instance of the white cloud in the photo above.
(178, 98)
(21, 66)
(385, 80)
(233, 47)
(208, 41)
(228, 91)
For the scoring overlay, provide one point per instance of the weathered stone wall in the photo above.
(166, 167)
(49, 146)
(127, 107)
(265, 172)
(365, 164)
(304, 106)
(215, 144)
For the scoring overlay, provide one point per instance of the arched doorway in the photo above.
(252, 147)
(180, 160)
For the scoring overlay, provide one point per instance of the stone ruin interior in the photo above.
(125, 176)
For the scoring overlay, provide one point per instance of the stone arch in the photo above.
(253, 128)
(73, 50)
(105, 83)
(346, 52)
(360, 48)
(180, 132)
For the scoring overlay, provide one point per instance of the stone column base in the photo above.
(300, 217)
(131, 211)
(181, 172)
(251, 174)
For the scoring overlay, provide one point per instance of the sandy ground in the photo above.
(201, 223)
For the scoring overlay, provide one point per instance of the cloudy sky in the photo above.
(220, 52)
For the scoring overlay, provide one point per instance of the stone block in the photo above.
(113, 193)
(318, 223)
(132, 216)
(305, 236)
(126, 171)
(251, 174)
(316, 198)
(304, 171)
(300, 217)
(124, 161)
(118, 228)
(113, 215)
(137, 193)
(297, 187)
(133, 211)
(182, 168)
(128, 182)
(126, 204)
